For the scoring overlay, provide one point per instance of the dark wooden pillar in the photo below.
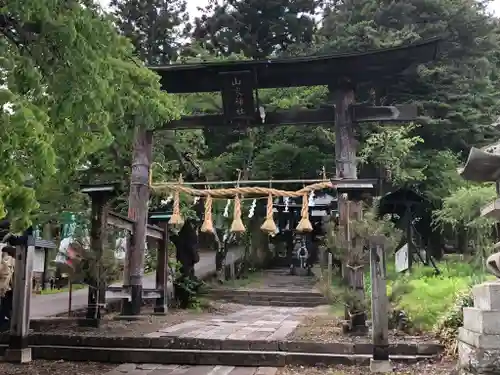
(45, 275)
(343, 96)
(138, 211)
(380, 325)
(345, 147)
(161, 303)
(97, 234)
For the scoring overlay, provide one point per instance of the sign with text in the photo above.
(237, 96)
(402, 263)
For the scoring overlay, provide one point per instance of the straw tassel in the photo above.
(208, 226)
(176, 218)
(237, 224)
(304, 224)
(269, 225)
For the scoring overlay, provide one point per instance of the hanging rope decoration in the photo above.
(304, 223)
(176, 218)
(237, 224)
(208, 226)
(269, 225)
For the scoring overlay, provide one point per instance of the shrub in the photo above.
(447, 325)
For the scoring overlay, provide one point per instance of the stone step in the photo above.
(266, 297)
(265, 293)
(289, 302)
(206, 357)
(156, 369)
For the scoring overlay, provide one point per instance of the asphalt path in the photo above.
(47, 305)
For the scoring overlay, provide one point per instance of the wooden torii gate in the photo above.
(238, 82)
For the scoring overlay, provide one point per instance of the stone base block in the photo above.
(478, 360)
(17, 355)
(487, 295)
(482, 321)
(478, 340)
(381, 367)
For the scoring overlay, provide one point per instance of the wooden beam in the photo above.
(359, 113)
(123, 222)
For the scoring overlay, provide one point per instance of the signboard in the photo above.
(402, 263)
(67, 253)
(237, 96)
(39, 260)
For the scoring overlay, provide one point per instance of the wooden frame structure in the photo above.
(101, 216)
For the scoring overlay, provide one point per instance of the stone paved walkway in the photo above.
(152, 369)
(250, 323)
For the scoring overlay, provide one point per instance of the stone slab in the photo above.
(380, 367)
(18, 355)
(482, 321)
(487, 295)
(478, 361)
(221, 370)
(478, 340)
(266, 371)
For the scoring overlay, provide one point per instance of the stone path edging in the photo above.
(189, 343)
(206, 357)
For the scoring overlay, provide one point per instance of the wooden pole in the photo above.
(161, 303)
(379, 302)
(345, 155)
(18, 350)
(330, 270)
(70, 296)
(138, 211)
(345, 149)
(232, 270)
(97, 234)
(409, 239)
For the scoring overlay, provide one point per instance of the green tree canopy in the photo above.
(256, 28)
(69, 87)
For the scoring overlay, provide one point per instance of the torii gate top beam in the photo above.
(299, 71)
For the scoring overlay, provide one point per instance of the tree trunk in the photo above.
(221, 253)
(186, 244)
(138, 211)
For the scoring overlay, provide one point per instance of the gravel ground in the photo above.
(150, 323)
(56, 367)
(323, 326)
(444, 367)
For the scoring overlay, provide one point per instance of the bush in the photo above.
(447, 325)
(426, 298)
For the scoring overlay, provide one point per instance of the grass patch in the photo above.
(425, 297)
(62, 290)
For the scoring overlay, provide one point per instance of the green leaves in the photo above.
(73, 87)
(393, 149)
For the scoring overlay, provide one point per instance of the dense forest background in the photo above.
(74, 87)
